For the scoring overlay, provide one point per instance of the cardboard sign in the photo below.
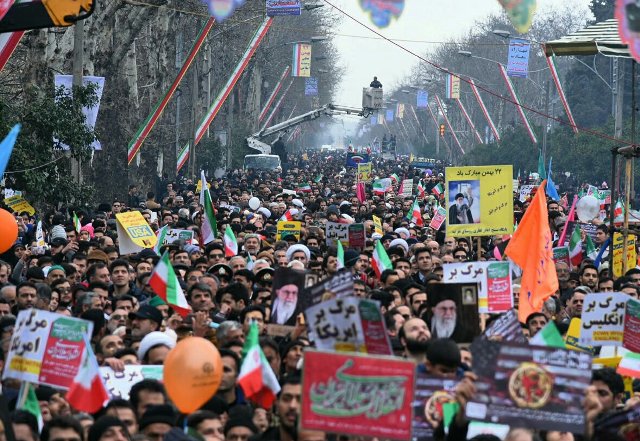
(431, 394)
(338, 286)
(18, 204)
(407, 188)
(351, 235)
(174, 235)
(493, 280)
(525, 191)
(506, 328)
(438, 219)
(288, 228)
(484, 204)
(119, 384)
(377, 225)
(603, 318)
(134, 233)
(365, 172)
(618, 245)
(531, 386)
(572, 340)
(46, 348)
(348, 324)
(631, 334)
(561, 254)
(352, 394)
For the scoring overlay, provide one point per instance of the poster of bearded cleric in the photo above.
(479, 200)
(288, 300)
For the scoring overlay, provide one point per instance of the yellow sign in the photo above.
(286, 228)
(364, 172)
(479, 200)
(199, 185)
(377, 225)
(18, 204)
(572, 340)
(618, 244)
(134, 233)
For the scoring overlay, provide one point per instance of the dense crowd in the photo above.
(82, 273)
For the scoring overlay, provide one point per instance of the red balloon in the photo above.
(8, 230)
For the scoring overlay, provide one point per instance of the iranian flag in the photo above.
(394, 177)
(160, 234)
(87, 392)
(420, 189)
(289, 214)
(630, 365)
(379, 188)
(182, 158)
(438, 190)
(619, 209)
(27, 400)
(304, 188)
(230, 243)
(76, 223)
(340, 255)
(381, 260)
(590, 248)
(548, 336)
(318, 178)
(165, 284)
(575, 247)
(415, 215)
(209, 229)
(257, 380)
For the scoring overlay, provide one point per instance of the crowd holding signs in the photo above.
(352, 298)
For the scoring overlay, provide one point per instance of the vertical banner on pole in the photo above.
(452, 87)
(422, 99)
(235, 76)
(272, 97)
(518, 59)
(301, 60)
(448, 123)
(512, 91)
(183, 157)
(551, 62)
(277, 106)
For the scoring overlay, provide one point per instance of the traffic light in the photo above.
(441, 129)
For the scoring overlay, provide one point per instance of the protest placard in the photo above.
(439, 218)
(561, 254)
(286, 228)
(174, 235)
(430, 395)
(589, 229)
(532, 386)
(603, 318)
(353, 394)
(334, 232)
(493, 280)
(134, 233)
(283, 7)
(19, 204)
(506, 328)
(357, 236)
(338, 286)
(364, 172)
(618, 255)
(46, 348)
(407, 188)
(353, 159)
(118, 384)
(525, 191)
(631, 333)
(377, 225)
(572, 340)
(348, 324)
(479, 200)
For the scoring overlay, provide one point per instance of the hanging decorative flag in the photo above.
(311, 86)
(389, 115)
(520, 13)
(382, 11)
(283, 7)
(551, 62)
(400, 110)
(301, 60)
(278, 104)
(518, 60)
(213, 110)
(272, 97)
(8, 43)
(519, 107)
(422, 100)
(183, 157)
(485, 112)
(452, 87)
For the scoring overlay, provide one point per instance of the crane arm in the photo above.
(45, 14)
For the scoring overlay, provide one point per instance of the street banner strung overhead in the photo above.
(301, 60)
(479, 200)
(283, 7)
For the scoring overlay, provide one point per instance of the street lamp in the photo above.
(318, 38)
(502, 33)
(312, 7)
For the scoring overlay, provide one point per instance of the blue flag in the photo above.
(551, 188)
(6, 147)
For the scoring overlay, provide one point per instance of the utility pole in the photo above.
(78, 64)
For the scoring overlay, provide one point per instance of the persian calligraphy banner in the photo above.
(493, 280)
(283, 7)
(174, 235)
(301, 60)
(348, 324)
(518, 61)
(603, 318)
(288, 228)
(46, 348)
(119, 384)
(532, 386)
(365, 172)
(353, 394)
(479, 200)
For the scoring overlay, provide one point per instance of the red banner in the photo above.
(354, 394)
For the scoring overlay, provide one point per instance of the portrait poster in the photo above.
(288, 296)
(430, 396)
(532, 386)
(370, 396)
(479, 200)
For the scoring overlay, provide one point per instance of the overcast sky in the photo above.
(424, 20)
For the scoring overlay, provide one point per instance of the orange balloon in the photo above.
(192, 373)
(8, 230)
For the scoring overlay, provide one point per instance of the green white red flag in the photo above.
(76, 223)
(209, 229)
(87, 392)
(438, 190)
(415, 214)
(230, 243)
(575, 247)
(381, 260)
(340, 256)
(165, 284)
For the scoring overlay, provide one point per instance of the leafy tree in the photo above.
(40, 163)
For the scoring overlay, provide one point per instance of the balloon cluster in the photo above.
(222, 9)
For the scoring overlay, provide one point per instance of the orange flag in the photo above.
(531, 248)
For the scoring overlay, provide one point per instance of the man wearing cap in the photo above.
(108, 428)
(145, 320)
(444, 315)
(155, 347)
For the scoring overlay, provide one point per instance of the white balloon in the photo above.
(588, 208)
(254, 203)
